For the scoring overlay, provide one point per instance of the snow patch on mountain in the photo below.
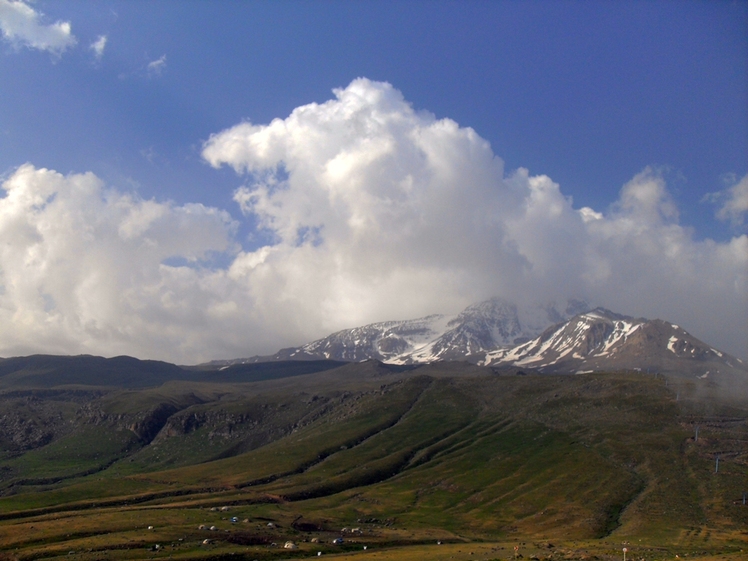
(478, 329)
(600, 340)
(546, 338)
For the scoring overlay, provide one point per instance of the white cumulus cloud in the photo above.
(21, 25)
(98, 46)
(82, 269)
(380, 211)
(735, 204)
(375, 211)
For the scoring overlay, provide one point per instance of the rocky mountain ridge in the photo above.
(543, 338)
(479, 328)
(603, 340)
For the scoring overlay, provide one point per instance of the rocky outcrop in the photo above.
(152, 421)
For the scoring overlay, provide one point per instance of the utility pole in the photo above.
(716, 466)
(696, 437)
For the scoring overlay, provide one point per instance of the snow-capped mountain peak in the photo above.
(476, 330)
(603, 340)
(542, 337)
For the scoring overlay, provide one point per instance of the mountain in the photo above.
(479, 328)
(47, 371)
(602, 340)
(51, 370)
(489, 325)
(542, 337)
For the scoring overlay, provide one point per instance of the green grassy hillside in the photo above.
(569, 466)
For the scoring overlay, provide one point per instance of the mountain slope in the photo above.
(52, 370)
(476, 330)
(47, 371)
(405, 455)
(542, 337)
(602, 340)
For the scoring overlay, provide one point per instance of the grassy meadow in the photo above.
(436, 462)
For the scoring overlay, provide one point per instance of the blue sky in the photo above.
(590, 94)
